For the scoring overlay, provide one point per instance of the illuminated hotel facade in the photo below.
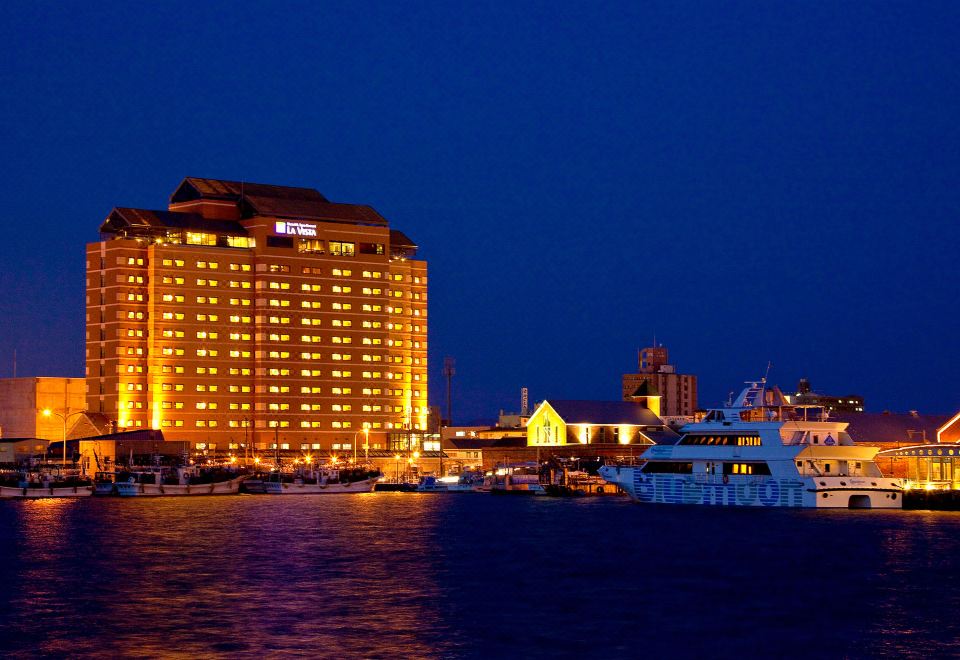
(250, 313)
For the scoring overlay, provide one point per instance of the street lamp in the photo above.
(47, 412)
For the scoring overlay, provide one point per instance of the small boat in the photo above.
(104, 483)
(179, 481)
(467, 482)
(431, 484)
(320, 482)
(38, 485)
(517, 484)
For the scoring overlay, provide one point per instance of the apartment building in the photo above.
(257, 314)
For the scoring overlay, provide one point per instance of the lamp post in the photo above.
(47, 412)
(396, 458)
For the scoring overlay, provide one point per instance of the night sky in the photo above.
(750, 182)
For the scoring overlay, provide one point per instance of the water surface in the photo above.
(406, 575)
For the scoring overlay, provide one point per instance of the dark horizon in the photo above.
(748, 183)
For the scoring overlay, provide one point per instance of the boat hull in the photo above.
(10, 492)
(758, 491)
(132, 489)
(292, 488)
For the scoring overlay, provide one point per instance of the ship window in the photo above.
(667, 467)
(746, 468)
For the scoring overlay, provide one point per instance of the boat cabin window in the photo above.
(714, 416)
(746, 468)
(667, 467)
(743, 440)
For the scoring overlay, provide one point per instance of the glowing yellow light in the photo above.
(929, 486)
(47, 412)
(257, 460)
(416, 454)
(308, 459)
(233, 459)
(397, 457)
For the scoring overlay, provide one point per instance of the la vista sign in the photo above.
(295, 229)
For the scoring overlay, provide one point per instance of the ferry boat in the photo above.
(760, 451)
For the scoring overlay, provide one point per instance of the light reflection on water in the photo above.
(400, 575)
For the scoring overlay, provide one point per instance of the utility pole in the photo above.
(448, 373)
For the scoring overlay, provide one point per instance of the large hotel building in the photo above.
(258, 313)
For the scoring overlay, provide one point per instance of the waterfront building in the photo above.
(23, 400)
(261, 314)
(562, 422)
(678, 392)
(805, 396)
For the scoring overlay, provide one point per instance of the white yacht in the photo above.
(760, 451)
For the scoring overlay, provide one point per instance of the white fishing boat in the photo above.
(467, 482)
(41, 485)
(760, 451)
(320, 482)
(180, 481)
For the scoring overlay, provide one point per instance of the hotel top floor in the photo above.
(257, 308)
(217, 213)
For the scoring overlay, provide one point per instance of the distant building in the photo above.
(22, 401)
(805, 396)
(678, 392)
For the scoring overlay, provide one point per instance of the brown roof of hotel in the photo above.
(260, 199)
(201, 188)
(143, 219)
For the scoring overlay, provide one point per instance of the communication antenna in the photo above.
(448, 372)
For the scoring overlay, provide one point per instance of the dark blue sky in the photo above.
(749, 181)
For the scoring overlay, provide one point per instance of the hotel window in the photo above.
(240, 388)
(368, 391)
(341, 390)
(313, 356)
(342, 289)
(241, 242)
(372, 308)
(372, 324)
(207, 352)
(310, 321)
(213, 265)
(372, 374)
(241, 267)
(340, 407)
(203, 334)
(375, 341)
(278, 268)
(398, 278)
(310, 245)
(169, 297)
(371, 248)
(200, 238)
(280, 303)
(278, 406)
(279, 320)
(367, 291)
(310, 287)
(173, 316)
(372, 275)
(273, 336)
(341, 374)
(311, 339)
(239, 319)
(279, 355)
(207, 370)
(310, 373)
(238, 354)
(342, 248)
(341, 340)
(274, 389)
(341, 425)
(235, 371)
(342, 306)
(305, 389)
(279, 285)
(312, 304)
(311, 270)
(133, 261)
(341, 272)
(134, 279)
(277, 372)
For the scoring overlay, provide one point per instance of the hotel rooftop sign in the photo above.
(288, 228)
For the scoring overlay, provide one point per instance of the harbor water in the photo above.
(464, 576)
